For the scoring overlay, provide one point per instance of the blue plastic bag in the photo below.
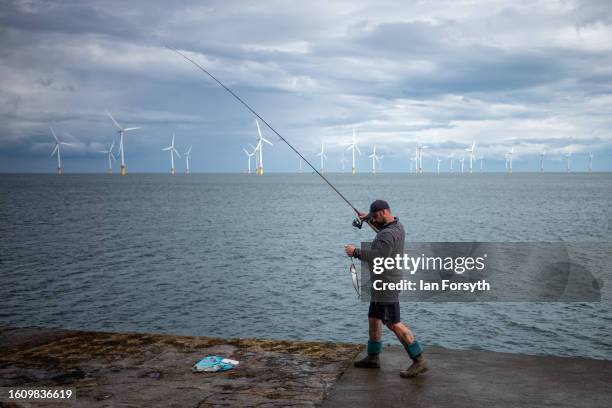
(212, 364)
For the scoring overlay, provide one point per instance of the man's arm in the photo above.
(383, 249)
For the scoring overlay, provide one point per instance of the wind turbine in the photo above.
(343, 161)
(121, 131)
(568, 156)
(452, 157)
(481, 162)
(110, 155)
(187, 153)
(375, 159)
(56, 148)
(542, 162)
(353, 147)
(461, 161)
(591, 162)
(412, 161)
(249, 155)
(509, 160)
(471, 152)
(259, 147)
(439, 161)
(172, 150)
(323, 156)
(420, 158)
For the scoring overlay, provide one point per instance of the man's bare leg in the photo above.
(372, 360)
(405, 336)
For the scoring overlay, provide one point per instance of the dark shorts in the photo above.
(389, 313)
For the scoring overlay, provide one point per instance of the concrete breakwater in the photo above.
(154, 370)
(149, 370)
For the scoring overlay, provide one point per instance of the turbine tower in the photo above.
(411, 162)
(471, 152)
(249, 155)
(375, 159)
(509, 161)
(353, 147)
(452, 157)
(439, 161)
(121, 131)
(343, 161)
(481, 162)
(542, 162)
(323, 156)
(259, 148)
(461, 161)
(172, 150)
(591, 162)
(419, 157)
(110, 155)
(187, 153)
(568, 156)
(56, 149)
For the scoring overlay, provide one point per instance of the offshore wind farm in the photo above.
(404, 164)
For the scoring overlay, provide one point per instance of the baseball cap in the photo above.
(377, 206)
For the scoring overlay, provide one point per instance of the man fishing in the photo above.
(389, 242)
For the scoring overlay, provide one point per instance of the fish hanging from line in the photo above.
(355, 279)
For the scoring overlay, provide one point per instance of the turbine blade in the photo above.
(54, 135)
(54, 150)
(131, 128)
(258, 128)
(113, 119)
(358, 151)
(267, 141)
(113, 156)
(167, 148)
(177, 153)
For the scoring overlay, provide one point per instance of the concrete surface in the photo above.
(153, 370)
(476, 379)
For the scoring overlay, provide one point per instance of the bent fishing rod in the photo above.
(358, 222)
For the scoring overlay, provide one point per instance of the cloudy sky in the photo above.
(535, 75)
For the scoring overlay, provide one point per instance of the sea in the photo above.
(239, 255)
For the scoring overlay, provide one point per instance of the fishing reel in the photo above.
(358, 223)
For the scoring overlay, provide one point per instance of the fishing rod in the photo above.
(358, 222)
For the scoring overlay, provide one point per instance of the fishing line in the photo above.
(267, 124)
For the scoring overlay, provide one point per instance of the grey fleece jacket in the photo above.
(389, 242)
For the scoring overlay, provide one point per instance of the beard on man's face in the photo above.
(378, 222)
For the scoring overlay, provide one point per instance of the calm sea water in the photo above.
(247, 256)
